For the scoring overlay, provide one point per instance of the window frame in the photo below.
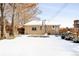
(34, 28)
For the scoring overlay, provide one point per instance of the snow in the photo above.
(34, 22)
(23, 45)
(39, 22)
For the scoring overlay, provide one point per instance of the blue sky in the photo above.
(64, 18)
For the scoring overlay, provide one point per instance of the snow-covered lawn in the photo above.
(37, 46)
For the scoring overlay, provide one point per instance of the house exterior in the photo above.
(38, 27)
(76, 23)
(76, 26)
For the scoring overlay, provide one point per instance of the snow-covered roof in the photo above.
(34, 22)
(39, 22)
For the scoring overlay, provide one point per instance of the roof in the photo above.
(34, 22)
(39, 22)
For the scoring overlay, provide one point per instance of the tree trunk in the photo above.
(2, 21)
(13, 21)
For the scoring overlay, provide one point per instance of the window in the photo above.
(34, 28)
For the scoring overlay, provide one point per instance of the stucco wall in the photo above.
(45, 29)
(28, 30)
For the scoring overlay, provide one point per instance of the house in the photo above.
(38, 27)
(76, 26)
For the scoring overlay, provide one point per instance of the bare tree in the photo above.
(19, 9)
(2, 5)
(13, 20)
(24, 11)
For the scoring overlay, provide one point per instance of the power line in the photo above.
(59, 11)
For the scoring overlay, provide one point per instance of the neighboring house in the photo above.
(37, 27)
(76, 26)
